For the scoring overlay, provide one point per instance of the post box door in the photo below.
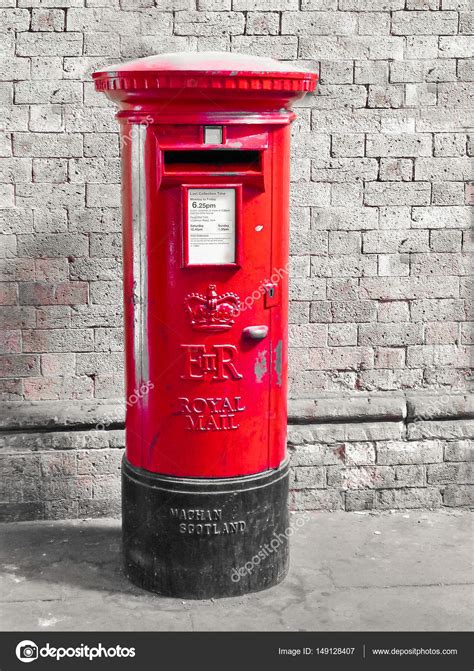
(210, 343)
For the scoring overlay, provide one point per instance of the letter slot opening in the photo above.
(212, 162)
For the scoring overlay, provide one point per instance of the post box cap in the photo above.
(204, 70)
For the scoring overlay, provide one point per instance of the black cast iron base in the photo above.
(201, 538)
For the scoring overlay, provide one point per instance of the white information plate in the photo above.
(211, 226)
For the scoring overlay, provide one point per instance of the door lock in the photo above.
(271, 295)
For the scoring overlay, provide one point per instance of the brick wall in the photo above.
(380, 225)
(358, 452)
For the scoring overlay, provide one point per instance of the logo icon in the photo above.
(212, 312)
(26, 651)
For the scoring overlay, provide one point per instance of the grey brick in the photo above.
(390, 95)
(307, 145)
(337, 72)
(46, 67)
(53, 316)
(465, 70)
(436, 264)
(318, 23)
(47, 19)
(316, 499)
(339, 219)
(353, 311)
(308, 477)
(451, 430)
(84, 120)
(447, 193)
(343, 266)
(424, 23)
(348, 145)
(461, 450)
(390, 334)
(139, 46)
(420, 95)
(345, 121)
(400, 288)
(437, 121)
(103, 195)
(299, 312)
(359, 500)
(49, 92)
(14, 118)
(313, 194)
(47, 145)
(92, 363)
(445, 474)
(399, 241)
(58, 340)
(423, 71)
(14, 68)
(96, 170)
(49, 44)
(397, 193)
(209, 23)
(345, 195)
(371, 5)
(459, 46)
(262, 23)
(53, 170)
(53, 245)
(282, 47)
(435, 169)
(396, 169)
(457, 496)
(340, 335)
(341, 358)
(46, 118)
(408, 498)
(264, 5)
(331, 96)
(374, 23)
(307, 335)
(437, 310)
(421, 46)
(106, 292)
(450, 144)
(104, 145)
(446, 217)
(371, 72)
(344, 170)
(102, 19)
(399, 145)
(14, 20)
(394, 311)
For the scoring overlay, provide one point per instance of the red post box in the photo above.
(205, 151)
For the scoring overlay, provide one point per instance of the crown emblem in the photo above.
(212, 312)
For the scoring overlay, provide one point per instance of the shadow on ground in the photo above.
(361, 572)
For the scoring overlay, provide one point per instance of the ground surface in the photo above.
(401, 571)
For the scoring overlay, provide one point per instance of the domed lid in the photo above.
(205, 69)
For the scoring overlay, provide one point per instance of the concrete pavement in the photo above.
(350, 572)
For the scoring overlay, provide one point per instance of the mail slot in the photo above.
(205, 191)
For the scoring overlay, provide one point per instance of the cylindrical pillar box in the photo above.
(205, 190)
